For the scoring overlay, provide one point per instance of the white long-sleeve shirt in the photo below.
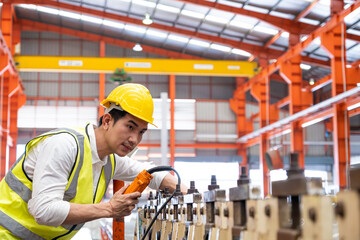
(49, 163)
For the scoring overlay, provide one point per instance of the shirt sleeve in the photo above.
(127, 169)
(55, 157)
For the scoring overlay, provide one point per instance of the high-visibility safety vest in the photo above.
(16, 190)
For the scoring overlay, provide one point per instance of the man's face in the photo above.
(126, 134)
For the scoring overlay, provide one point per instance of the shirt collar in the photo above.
(94, 153)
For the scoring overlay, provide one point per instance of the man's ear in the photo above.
(106, 121)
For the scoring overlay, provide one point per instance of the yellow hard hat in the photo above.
(133, 98)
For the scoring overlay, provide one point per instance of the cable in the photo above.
(160, 169)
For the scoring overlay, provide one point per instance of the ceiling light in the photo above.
(147, 20)
(305, 66)
(137, 48)
(311, 81)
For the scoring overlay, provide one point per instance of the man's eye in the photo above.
(130, 127)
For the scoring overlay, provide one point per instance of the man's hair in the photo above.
(115, 114)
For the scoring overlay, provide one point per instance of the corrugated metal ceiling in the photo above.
(196, 29)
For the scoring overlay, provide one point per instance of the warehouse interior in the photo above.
(235, 83)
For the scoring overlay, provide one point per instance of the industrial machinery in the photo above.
(298, 209)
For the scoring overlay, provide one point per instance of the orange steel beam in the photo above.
(102, 80)
(320, 83)
(353, 37)
(273, 39)
(259, 91)
(281, 23)
(27, 25)
(304, 12)
(315, 62)
(298, 48)
(283, 102)
(172, 118)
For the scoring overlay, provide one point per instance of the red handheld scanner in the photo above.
(141, 181)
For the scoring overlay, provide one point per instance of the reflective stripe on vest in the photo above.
(24, 190)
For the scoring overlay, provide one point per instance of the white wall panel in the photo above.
(316, 133)
(71, 48)
(29, 47)
(49, 48)
(49, 76)
(224, 112)
(250, 109)
(205, 111)
(90, 49)
(70, 89)
(47, 89)
(90, 90)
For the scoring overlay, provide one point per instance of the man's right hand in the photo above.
(122, 204)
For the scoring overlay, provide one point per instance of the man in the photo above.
(58, 183)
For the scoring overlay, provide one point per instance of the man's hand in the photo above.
(122, 204)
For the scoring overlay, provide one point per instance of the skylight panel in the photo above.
(91, 19)
(135, 29)
(216, 19)
(240, 52)
(178, 38)
(48, 10)
(267, 30)
(156, 33)
(167, 8)
(199, 43)
(113, 24)
(69, 14)
(241, 24)
(192, 14)
(144, 3)
(220, 47)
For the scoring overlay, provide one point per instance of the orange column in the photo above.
(16, 100)
(102, 80)
(237, 104)
(172, 90)
(6, 29)
(259, 91)
(334, 43)
(291, 72)
(118, 223)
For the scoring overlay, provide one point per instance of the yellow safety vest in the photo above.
(16, 190)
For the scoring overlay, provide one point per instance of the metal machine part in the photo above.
(195, 228)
